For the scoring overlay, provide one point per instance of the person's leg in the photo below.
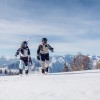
(26, 65)
(43, 63)
(43, 66)
(21, 67)
(47, 62)
(47, 65)
(26, 72)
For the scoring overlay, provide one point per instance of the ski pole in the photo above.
(29, 39)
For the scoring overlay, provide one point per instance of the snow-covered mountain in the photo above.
(5, 61)
(56, 62)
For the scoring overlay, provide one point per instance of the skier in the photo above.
(25, 58)
(43, 54)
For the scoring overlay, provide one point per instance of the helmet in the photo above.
(44, 40)
(24, 44)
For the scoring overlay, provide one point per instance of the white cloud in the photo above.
(84, 46)
(70, 28)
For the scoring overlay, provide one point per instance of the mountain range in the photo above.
(56, 62)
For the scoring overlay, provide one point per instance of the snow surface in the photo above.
(83, 85)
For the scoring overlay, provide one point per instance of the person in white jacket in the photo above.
(43, 54)
(25, 58)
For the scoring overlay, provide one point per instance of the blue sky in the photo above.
(71, 26)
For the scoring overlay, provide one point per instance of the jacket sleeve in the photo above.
(38, 50)
(17, 53)
(29, 51)
(50, 48)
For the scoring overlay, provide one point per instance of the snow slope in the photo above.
(83, 85)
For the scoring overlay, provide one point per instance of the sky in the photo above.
(71, 26)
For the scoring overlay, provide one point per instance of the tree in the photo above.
(5, 72)
(66, 69)
(1, 71)
(98, 65)
(80, 62)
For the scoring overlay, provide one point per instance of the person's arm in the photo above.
(17, 53)
(28, 51)
(38, 53)
(29, 55)
(50, 48)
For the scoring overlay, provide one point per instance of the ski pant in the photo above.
(23, 63)
(44, 61)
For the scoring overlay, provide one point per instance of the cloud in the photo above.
(86, 47)
(72, 25)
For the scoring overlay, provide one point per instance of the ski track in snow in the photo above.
(83, 85)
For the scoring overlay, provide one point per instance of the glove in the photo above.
(30, 61)
(38, 57)
(15, 55)
(52, 49)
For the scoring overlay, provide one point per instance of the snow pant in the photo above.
(23, 64)
(44, 62)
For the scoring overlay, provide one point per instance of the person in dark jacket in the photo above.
(43, 54)
(24, 53)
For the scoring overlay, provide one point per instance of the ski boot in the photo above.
(20, 72)
(43, 71)
(46, 70)
(26, 72)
